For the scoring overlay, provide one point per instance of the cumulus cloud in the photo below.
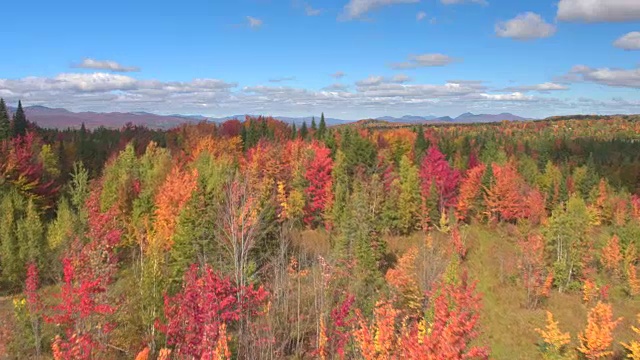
(357, 8)
(282, 79)
(309, 10)
(544, 87)
(526, 26)
(110, 65)
(453, 2)
(253, 22)
(599, 10)
(606, 76)
(424, 60)
(421, 15)
(630, 41)
(373, 96)
(516, 96)
(338, 75)
(336, 87)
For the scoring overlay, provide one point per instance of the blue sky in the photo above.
(277, 57)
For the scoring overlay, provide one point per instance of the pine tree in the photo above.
(322, 128)
(314, 127)
(294, 132)
(304, 131)
(420, 145)
(409, 202)
(19, 125)
(5, 124)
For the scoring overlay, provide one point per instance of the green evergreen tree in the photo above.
(409, 202)
(11, 210)
(421, 145)
(19, 125)
(340, 188)
(304, 132)
(322, 128)
(294, 131)
(5, 123)
(314, 127)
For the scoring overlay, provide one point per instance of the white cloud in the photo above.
(336, 87)
(544, 87)
(254, 23)
(606, 76)
(338, 75)
(630, 41)
(526, 26)
(110, 65)
(454, 2)
(400, 78)
(374, 96)
(357, 8)
(516, 96)
(282, 79)
(424, 60)
(421, 15)
(599, 10)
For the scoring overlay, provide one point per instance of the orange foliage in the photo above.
(404, 280)
(143, 355)
(171, 199)
(222, 352)
(377, 340)
(469, 190)
(596, 340)
(506, 198)
(612, 256)
(555, 339)
(589, 291)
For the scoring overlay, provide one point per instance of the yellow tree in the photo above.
(555, 341)
(634, 346)
(596, 340)
(377, 341)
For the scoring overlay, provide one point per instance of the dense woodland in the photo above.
(260, 240)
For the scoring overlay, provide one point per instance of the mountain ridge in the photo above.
(63, 118)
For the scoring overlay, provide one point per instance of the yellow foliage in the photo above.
(634, 346)
(596, 340)
(554, 339)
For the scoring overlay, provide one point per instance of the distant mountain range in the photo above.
(465, 118)
(62, 118)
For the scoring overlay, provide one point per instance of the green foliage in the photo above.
(567, 241)
(5, 123)
(118, 180)
(409, 200)
(19, 125)
(21, 238)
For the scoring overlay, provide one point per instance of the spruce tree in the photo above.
(304, 131)
(19, 126)
(420, 146)
(294, 131)
(322, 128)
(314, 127)
(5, 124)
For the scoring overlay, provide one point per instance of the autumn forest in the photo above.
(258, 239)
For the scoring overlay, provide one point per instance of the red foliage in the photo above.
(88, 270)
(195, 314)
(436, 170)
(19, 164)
(453, 328)
(318, 175)
(32, 283)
